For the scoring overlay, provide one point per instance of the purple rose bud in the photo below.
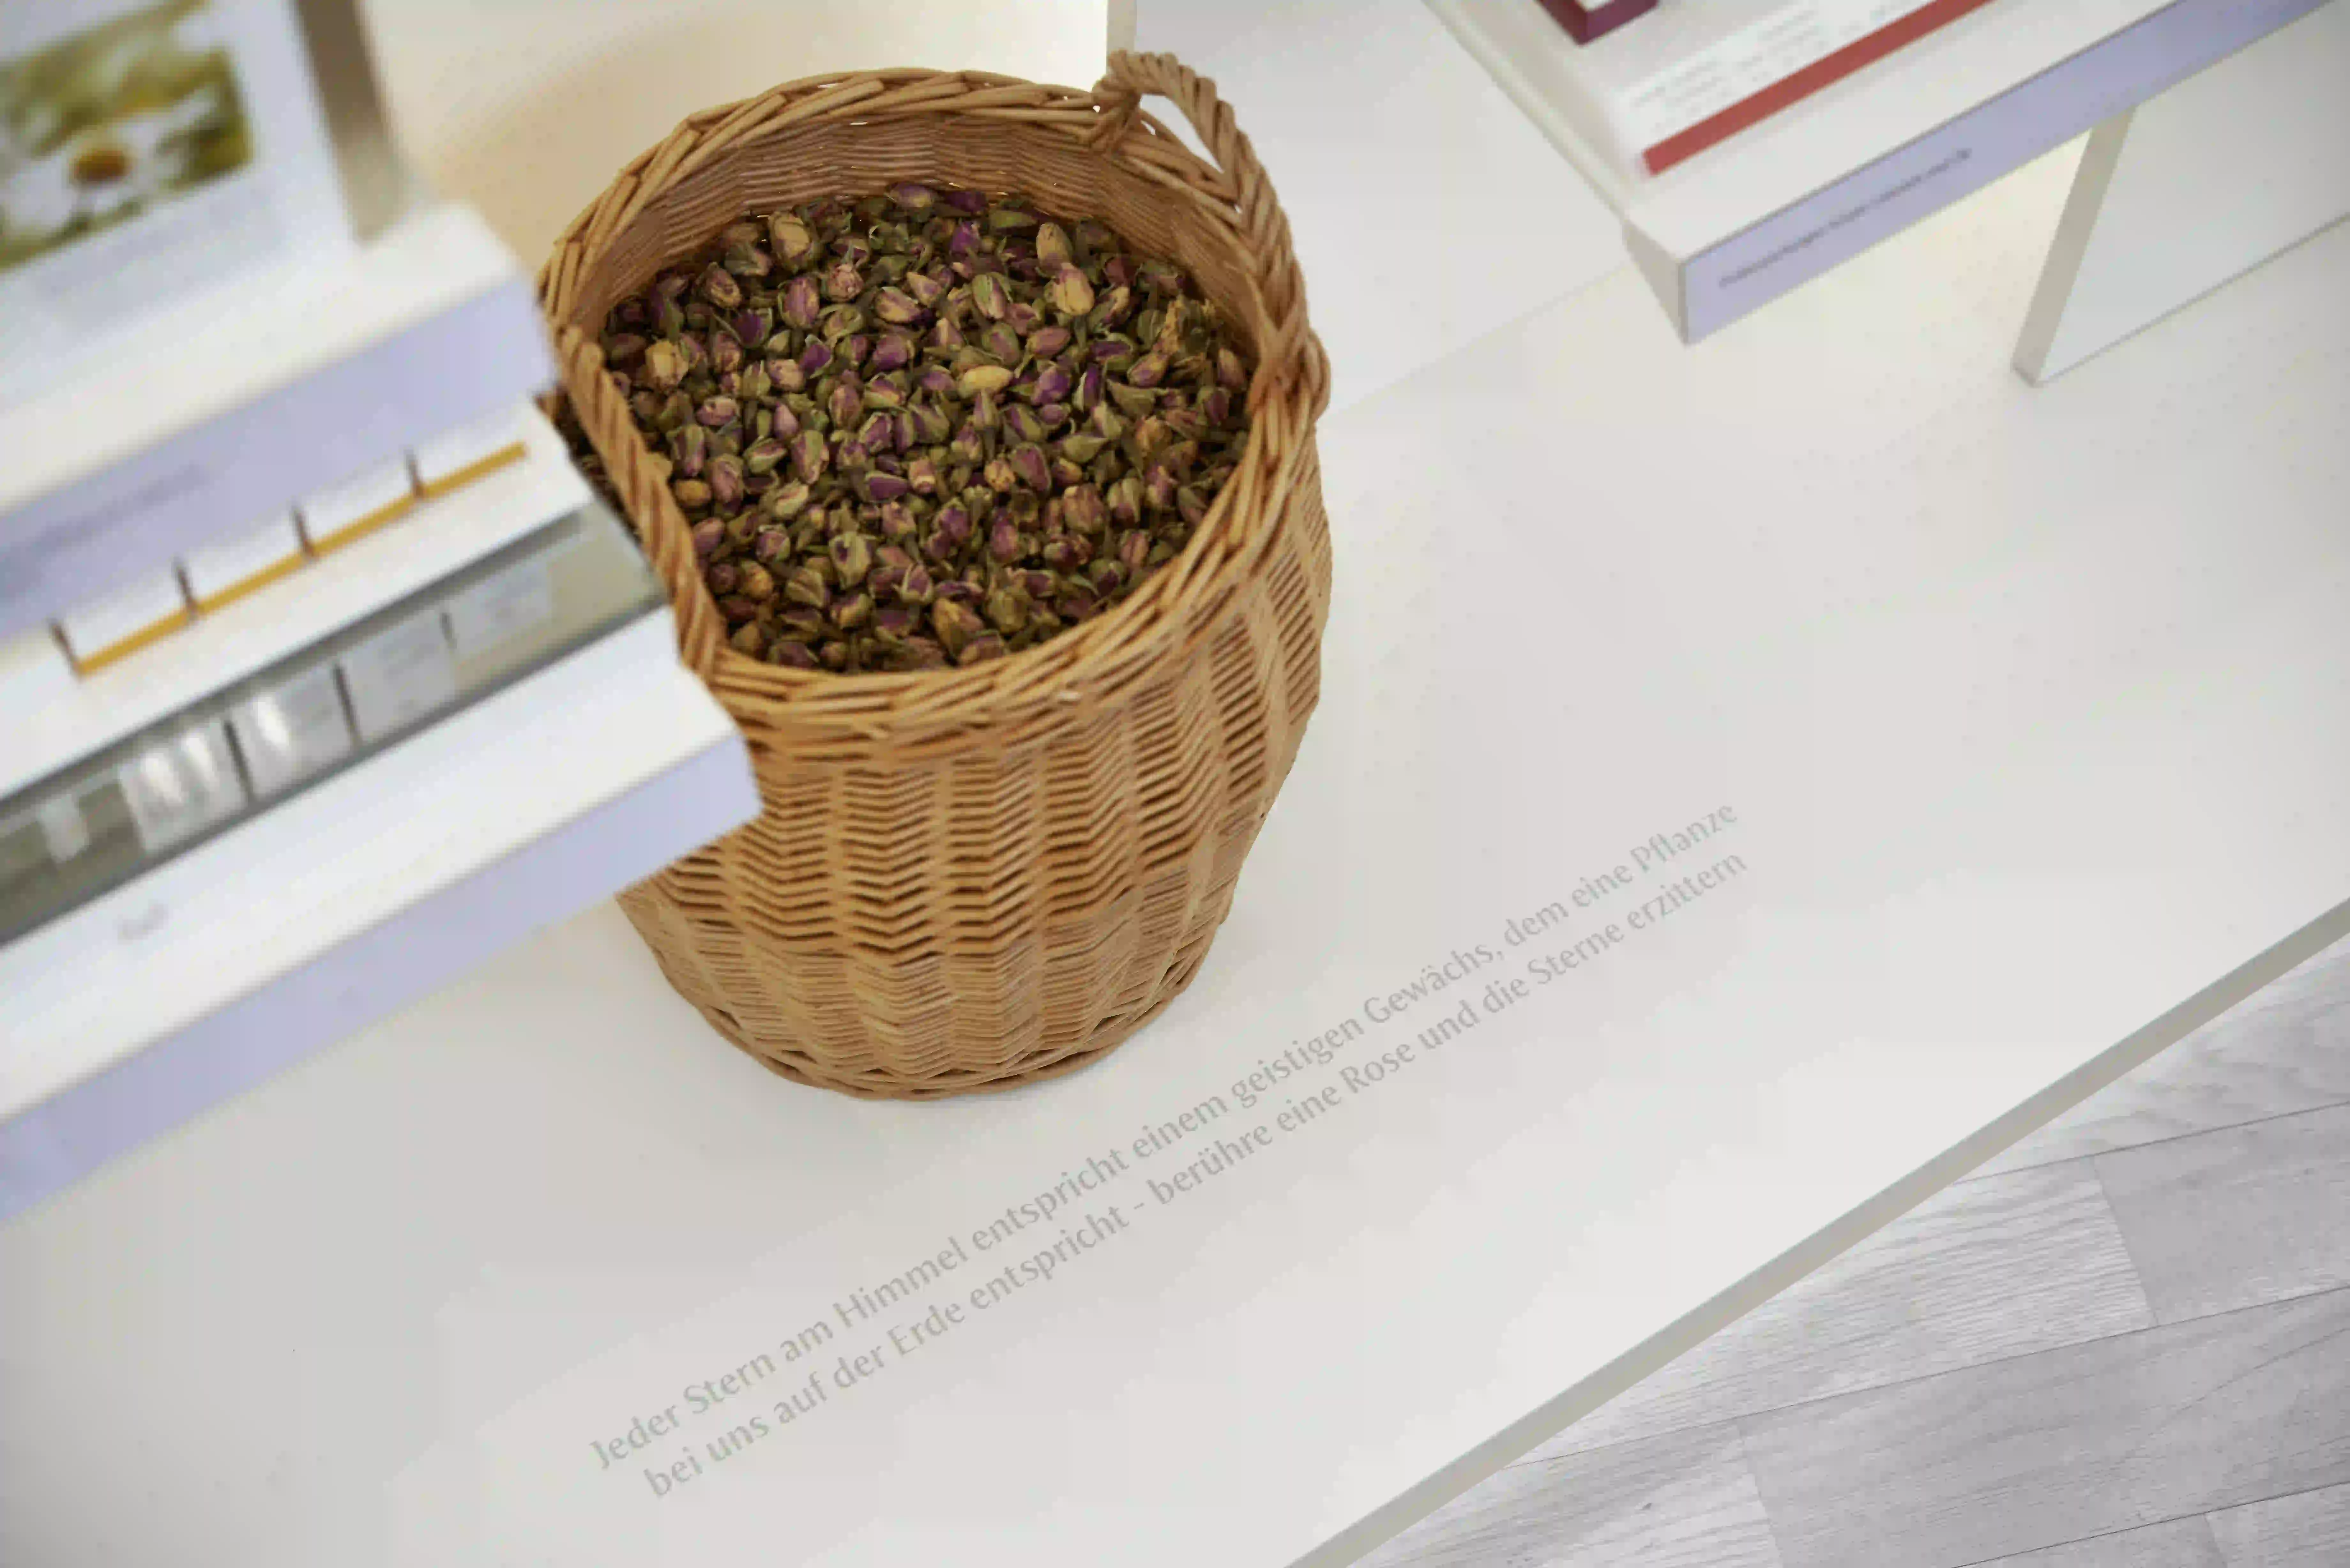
(1066, 552)
(716, 412)
(842, 282)
(845, 403)
(689, 447)
(1024, 423)
(785, 424)
(878, 433)
(726, 481)
(707, 535)
(926, 289)
(817, 358)
(772, 544)
(787, 501)
(898, 307)
(965, 201)
(800, 303)
(852, 557)
(879, 486)
(720, 287)
(1029, 463)
(985, 415)
(989, 297)
(1053, 384)
(793, 655)
(963, 244)
(1082, 509)
(623, 347)
(895, 351)
(1148, 371)
(945, 336)
(954, 526)
(1047, 341)
(913, 198)
(1070, 293)
(936, 379)
(853, 348)
(1004, 539)
(765, 455)
(892, 623)
(810, 456)
(721, 577)
(970, 445)
(785, 376)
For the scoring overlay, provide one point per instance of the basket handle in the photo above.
(1293, 352)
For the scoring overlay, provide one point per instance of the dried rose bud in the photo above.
(764, 456)
(623, 347)
(716, 412)
(756, 583)
(985, 414)
(749, 637)
(817, 358)
(691, 493)
(1133, 550)
(893, 623)
(878, 433)
(852, 610)
(726, 481)
(772, 547)
(793, 242)
(1008, 219)
(1066, 552)
(801, 622)
(917, 586)
(952, 525)
(1000, 475)
(1071, 294)
(788, 500)
(737, 609)
(721, 577)
(707, 535)
(1004, 540)
(806, 586)
(720, 287)
(1230, 374)
(1052, 249)
(845, 403)
(1052, 385)
(839, 324)
(898, 307)
(965, 201)
(1022, 423)
(1135, 401)
(955, 624)
(1111, 308)
(810, 456)
(664, 366)
(842, 282)
(1125, 499)
(876, 485)
(1148, 371)
(893, 352)
(980, 649)
(800, 303)
(1084, 510)
(793, 655)
(1029, 463)
(689, 448)
(852, 557)
(989, 297)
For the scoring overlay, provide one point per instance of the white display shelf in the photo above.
(253, 395)
(437, 537)
(2030, 705)
(201, 978)
(1788, 199)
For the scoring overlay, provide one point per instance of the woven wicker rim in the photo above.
(1064, 679)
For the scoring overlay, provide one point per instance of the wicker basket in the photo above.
(969, 878)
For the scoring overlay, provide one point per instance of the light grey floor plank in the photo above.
(2177, 1544)
(1986, 1269)
(2037, 1450)
(1683, 1502)
(2284, 1050)
(2235, 1218)
(2311, 1530)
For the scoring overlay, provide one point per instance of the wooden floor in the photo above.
(2124, 1343)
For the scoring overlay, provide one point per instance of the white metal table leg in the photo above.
(2196, 187)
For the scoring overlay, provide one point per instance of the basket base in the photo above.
(1106, 1037)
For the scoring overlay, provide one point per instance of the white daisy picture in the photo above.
(100, 127)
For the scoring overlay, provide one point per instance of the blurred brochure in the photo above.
(151, 155)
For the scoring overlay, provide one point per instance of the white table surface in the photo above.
(2033, 711)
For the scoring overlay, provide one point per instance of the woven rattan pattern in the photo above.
(969, 878)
